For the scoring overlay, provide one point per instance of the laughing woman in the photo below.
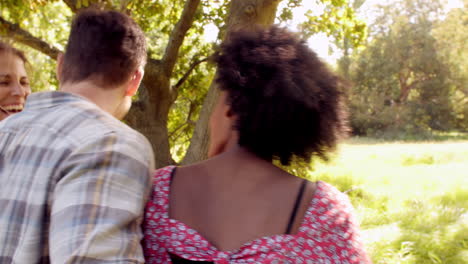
(14, 83)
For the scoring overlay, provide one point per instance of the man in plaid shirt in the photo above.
(73, 178)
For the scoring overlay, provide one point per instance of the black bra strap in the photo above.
(172, 176)
(296, 206)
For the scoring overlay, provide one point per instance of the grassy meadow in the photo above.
(411, 197)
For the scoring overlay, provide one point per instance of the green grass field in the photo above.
(411, 198)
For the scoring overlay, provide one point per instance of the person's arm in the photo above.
(97, 204)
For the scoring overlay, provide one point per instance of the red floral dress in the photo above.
(328, 234)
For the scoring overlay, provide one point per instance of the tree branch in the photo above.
(171, 134)
(178, 35)
(192, 67)
(188, 120)
(15, 32)
(405, 90)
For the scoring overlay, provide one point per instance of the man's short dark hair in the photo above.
(105, 47)
(288, 104)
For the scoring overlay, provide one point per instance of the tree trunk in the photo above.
(243, 14)
(149, 114)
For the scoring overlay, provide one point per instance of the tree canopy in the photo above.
(408, 78)
(176, 95)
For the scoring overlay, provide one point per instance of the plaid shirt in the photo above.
(73, 184)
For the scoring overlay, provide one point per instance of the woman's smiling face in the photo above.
(14, 83)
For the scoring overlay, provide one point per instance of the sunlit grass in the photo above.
(411, 198)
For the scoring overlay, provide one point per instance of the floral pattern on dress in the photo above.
(328, 234)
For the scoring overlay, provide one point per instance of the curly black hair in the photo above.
(289, 105)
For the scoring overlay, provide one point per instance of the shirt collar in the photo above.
(50, 99)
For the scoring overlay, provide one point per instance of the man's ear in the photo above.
(228, 108)
(58, 70)
(134, 82)
(229, 113)
(231, 116)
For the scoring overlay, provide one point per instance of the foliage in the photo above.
(451, 35)
(49, 20)
(402, 83)
(339, 21)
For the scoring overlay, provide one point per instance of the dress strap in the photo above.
(172, 175)
(296, 206)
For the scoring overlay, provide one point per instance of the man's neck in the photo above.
(108, 99)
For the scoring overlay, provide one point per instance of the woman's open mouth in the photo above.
(11, 109)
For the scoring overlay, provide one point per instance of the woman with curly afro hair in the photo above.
(278, 102)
